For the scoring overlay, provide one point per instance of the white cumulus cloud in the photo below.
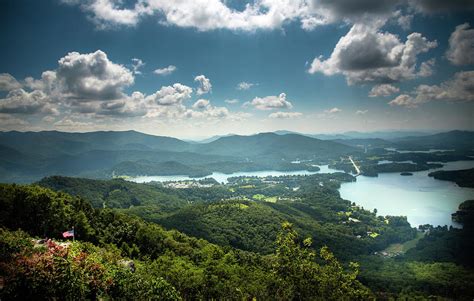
(201, 14)
(458, 89)
(333, 111)
(172, 95)
(201, 104)
(205, 15)
(383, 90)
(285, 115)
(8, 82)
(366, 54)
(136, 65)
(10, 122)
(166, 70)
(461, 45)
(270, 102)
(404, 100)
(20, 101)
(205, 85)
(92, 76)
(231, 101)
(88, 89)
(244, 86)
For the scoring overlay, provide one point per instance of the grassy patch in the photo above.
(247, 186)
(272, 199)
(258, 197)
(402, 248)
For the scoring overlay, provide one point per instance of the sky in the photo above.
(194, 69)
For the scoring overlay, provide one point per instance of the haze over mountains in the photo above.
(28, 156)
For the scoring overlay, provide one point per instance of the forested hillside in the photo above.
(247, 150)
(29, 156)
(166, 264)
(464, 177)
(270, 144)
(247, 212)
(459, 140)
(169, 265)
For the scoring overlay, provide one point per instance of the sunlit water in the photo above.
(223, 178)
(388, 161)
(423, 199)
(433, 150)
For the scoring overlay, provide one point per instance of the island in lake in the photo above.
(464, 177)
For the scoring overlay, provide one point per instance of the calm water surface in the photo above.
(423, 199)
(222, 177)
(433, 150)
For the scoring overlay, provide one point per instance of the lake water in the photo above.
(423, 199)
(433, 150)
(388, 161)
(222, 177)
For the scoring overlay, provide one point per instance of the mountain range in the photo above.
(28, 156)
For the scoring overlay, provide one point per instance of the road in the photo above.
(355, 166)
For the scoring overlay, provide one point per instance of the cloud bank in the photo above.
(368, 55)
(89, 88)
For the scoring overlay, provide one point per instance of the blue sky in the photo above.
(313, 66)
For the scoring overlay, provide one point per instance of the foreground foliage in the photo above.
(246, 213)
(72, 272)
(169, 265)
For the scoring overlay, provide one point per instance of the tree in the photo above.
(299, 277)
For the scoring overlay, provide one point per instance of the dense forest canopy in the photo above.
(247, 212)
(274, 237)
(247, 150)
(266, 241)
(168, 264)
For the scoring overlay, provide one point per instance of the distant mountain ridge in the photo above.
(386, 135)
(265, 144)
(366, 142)
(448, 140)
(28, 156)
(78, 142)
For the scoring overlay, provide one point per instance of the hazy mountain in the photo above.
(27, 156)
(53, 142)
(387, 135)
(271, 144)
(31, 155)
(448, 140)
(145, 167)
(284, 132)
(366, 142)
(213, 138)
(317, 136)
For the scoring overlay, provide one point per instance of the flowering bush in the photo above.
(71, 271)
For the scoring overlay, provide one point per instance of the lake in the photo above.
(423, 199)
(433, 150)
(222, 177)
